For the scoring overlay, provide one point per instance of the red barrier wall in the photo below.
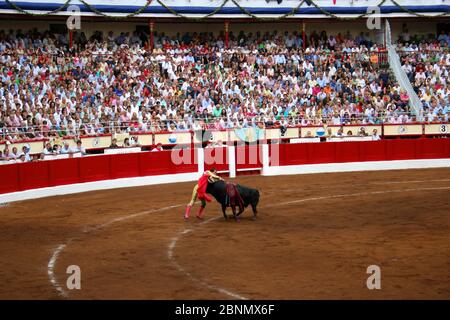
(65, 171)
(336, 152)
(9, 178)
(373, 151)
(216, 158)
(248, 157)
(24, 176)
(94, 168)
(32, 175)
(158, 163)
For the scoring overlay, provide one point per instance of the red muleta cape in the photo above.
(202, 185)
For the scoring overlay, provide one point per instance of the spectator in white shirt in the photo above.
(65, 149)
(48, 150)
(14, 154)
(375, 135)
(26, 153)
(79, 148)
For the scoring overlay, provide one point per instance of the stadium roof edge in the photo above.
(249, 10)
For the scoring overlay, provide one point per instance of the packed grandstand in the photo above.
(109, 82)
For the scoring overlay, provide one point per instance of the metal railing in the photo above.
(38, 132)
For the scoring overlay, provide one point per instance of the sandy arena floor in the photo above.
(314, 239)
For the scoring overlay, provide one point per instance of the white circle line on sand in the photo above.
(411, 181)
(358, 194)
(57, 251)
(203, 283)
(51, 268)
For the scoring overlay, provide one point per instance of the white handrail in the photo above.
(400, 75)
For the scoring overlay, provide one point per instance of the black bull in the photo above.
(249, 196)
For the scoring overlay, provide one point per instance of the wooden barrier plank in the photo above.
(64, 171)
(99, 142)
(348, 151)
(401, 149)
(144, 139)
(33, 175)
(9, 174)
(322, 152)
(431, 148)
(290, 154)
(402, 129)
(185, 167)
(216, 158)
(125, 165)
(95, 168)
(276, 133)
(373, 151)
(437, 129)
(173, 138)
(248, 157)
(167, 162)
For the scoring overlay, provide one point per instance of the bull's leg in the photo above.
(224, 209)
(234, 213)
(254, 211)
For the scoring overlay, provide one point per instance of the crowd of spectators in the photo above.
(427, 66)
(51, 148)
(113, 83)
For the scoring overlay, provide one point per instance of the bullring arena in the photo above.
(314, 238)
(113, 115)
